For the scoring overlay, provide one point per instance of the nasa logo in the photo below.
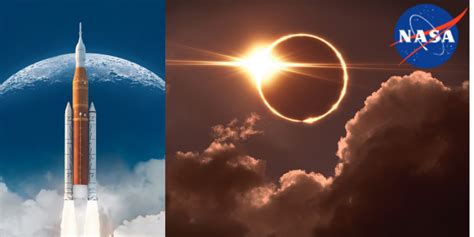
(426, 35)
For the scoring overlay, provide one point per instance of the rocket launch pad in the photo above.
(80, 211)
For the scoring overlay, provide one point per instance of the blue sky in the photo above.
(35, 30)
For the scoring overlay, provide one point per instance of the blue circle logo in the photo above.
(426, 36)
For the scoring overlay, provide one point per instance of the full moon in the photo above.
(101, 68)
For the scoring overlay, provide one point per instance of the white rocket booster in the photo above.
(68, 153)
(92, 153)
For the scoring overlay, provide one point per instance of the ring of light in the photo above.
(308, 120)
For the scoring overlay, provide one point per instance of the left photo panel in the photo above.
(82, 118)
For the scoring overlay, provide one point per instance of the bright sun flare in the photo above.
(262, 64)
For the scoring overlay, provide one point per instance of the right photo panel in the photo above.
(317, 118)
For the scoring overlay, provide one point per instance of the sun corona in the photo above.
(262, 65)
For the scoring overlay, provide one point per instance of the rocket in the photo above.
(80, 216)
(80, 135)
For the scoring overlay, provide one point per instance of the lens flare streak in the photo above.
(261, 64)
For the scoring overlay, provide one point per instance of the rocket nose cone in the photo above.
(92, 108)
(80, 50)
(68, 110)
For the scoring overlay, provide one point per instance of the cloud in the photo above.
(234, 132)
(137, 198)
(31, 217)
(208, 187)
(150, 225)
(140, 192)
(403, 170)
(404, 163)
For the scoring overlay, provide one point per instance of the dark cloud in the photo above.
(234, 132)
(205, 189)
(405, 163)
(403, 171)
